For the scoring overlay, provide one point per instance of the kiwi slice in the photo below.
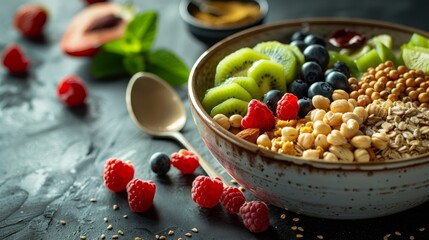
(268, 75)
(218, 94)
(282, 54)
(298, 54)
(230, 107)
(236, 64)
(247, 83)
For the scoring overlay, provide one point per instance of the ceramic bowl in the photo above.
(335, 190)
(212, 34)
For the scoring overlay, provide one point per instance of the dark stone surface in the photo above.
(51, 157)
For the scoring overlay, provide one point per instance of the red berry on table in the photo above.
(94, 1)
(72, 91)
(255, 215)
(140, 194)
(14, 59)
(287, 107)
(258, 116)
(185, 161)
(30, 20)
(117, 174)
(206, 191)
(232, 199)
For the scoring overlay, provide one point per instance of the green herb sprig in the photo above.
(133, 53)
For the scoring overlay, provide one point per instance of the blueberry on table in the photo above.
(305, 106)
(300, 44)
(271, 98)
(318, 54)
(300, 35)
(314, 39)
(160, 163)
(311, 72)
(298, 88)
(320, 88)
(338, 80)
(342, 67)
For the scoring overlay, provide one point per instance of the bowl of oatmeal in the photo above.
(357, 153)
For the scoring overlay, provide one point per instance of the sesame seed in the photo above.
(233, 181)
(287, 209)
(299, 236)
(397, 233)
(137, 238)
(106, 219)
(171, 232)
(157, 236)
(103, 236)
(301, 229)
(412, 237)
(241, 189)
(82, 237)
(188, 234)
(115, 237)
(110, 227)
(294, 228)
(295, 219)
(125, 216)
(162, 237)
(283, 216)
(180, 238)
(115, 207)
(421, 229)
(319, 236)
(195, 230)
(62, 222)
(386, 236)
(93, 200)
(120, 232)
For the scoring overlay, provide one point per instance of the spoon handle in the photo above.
(211, 172)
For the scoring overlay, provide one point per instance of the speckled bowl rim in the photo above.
(274, 156)
(187, 17)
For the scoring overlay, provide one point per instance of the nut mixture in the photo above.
(385, 117)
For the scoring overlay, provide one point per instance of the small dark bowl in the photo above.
(209, 34)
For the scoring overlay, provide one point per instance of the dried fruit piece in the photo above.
(93, 26)
(249, 134)
(72, 91)
(140, 195)
(206, 191)
(30, 19)
(117, 174)
(346, 38)
(15, 60)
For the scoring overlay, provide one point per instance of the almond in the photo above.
(249, 134)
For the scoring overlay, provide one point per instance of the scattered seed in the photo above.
(105, 219)
(171, 232)
(157, 236)
(421, 229)
(115, 207)
(241, 188)
(62, 222)
(93, 200)
(121, 232)
(283, 216)
(412, 237)
(162, 237)
(137, 238)
(301, 229)
(397, 233)
(188, 234)
(195, 230)
(294, 228)
(180, 239)
(110, 227)
(299, 236)
(295, 219)
(125, 216)
(386, 236)
(115, 237)
(82, 237)
(233, 181)
(103, 236)
(319, 236)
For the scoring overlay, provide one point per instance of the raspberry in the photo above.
(255, 215)
(140, 194)
(258, 116)
(94, 1)
(206, 191)
(287, 107)
(72, 91)
(117, 174)
(185, 161)
(30, 20)
(232, 199)
(15, 60)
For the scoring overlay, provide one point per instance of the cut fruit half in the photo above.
(416, 57)
(95, 25)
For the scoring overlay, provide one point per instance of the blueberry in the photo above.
(342, 67)
(271, 98)
(314, 39)
(298, 88)
(300, 44)
(160, 163)
(338, 80)
(300, 35)
(320, 88)
(318, 54)
(311, 72)
(328, 71)
(305, 106)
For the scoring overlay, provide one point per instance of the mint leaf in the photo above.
(134, 63)
(122, 46)
(142, 30)
(106, 64)
(168, 66)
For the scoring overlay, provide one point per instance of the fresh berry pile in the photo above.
(117, 174)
